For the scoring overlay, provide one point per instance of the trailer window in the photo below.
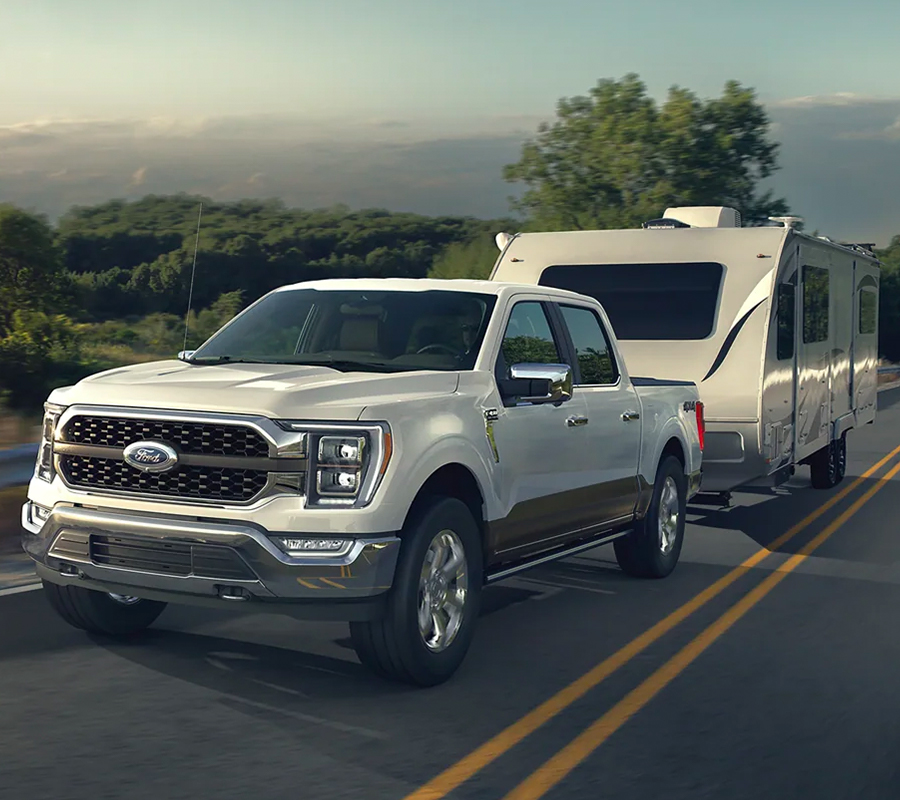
(648, 301)
(785, 322)
(815, 304)
(868, 311)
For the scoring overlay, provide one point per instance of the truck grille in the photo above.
(190, 482)
(168, 558)
(194, 438)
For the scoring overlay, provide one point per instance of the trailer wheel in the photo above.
(842, 458)
(828, 466)
(652, 549)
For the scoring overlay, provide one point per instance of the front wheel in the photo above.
(652, 549)
(98, 612)
(433, 605)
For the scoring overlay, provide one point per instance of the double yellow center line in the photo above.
(560, 765)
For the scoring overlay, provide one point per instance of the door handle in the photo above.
(576, 421)
(630, 416)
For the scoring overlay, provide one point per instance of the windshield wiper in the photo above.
(342, 364)
(205, 360)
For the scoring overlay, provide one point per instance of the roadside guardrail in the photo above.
(17, 465)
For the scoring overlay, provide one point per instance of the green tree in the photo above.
(614, 158)
(474, 259)
(31, 273)
(39, 352)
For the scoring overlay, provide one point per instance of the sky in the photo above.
(417, 105)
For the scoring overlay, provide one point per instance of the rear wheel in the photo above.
(99, 612)
(433, 605)
(828, 466)
(652, 549)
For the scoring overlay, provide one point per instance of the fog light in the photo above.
(39, 513)
(298, 546)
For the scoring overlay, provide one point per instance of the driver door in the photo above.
(543, 448)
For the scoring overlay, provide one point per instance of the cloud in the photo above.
(840, 160)
(836, 100)
(429, 166)
(139, 176)
(840, 155)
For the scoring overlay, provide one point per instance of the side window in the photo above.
(868, 311)
(785, 321)
(528, 338)
(815, 304)
(591, 346)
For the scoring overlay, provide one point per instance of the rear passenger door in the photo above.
(614, 424)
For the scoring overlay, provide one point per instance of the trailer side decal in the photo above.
(729, 341)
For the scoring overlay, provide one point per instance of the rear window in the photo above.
(648, 301)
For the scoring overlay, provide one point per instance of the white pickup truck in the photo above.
(375, 451)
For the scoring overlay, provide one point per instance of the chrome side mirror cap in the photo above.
(541, 383)
(185, 355)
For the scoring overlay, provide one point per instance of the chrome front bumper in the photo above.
(191, 561)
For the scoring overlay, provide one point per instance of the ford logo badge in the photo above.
(151, 456)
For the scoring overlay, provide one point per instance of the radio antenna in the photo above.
(187, 316)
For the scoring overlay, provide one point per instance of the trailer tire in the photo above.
(652, 549)
(828, 465)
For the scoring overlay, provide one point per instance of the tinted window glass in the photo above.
(356, 329)
(648, 301)
(868, 311)
(785, 321)
(591, 346)
(815, 304)
(528, 338)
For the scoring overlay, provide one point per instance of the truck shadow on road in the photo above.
(765, 514)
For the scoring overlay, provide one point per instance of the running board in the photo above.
(553, 555)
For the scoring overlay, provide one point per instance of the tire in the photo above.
(98, 612)
(395, 646)
(841, 458)
(652, 550)
(828, 466)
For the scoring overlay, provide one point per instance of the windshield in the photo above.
(355, 329)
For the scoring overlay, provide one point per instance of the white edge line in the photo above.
(19, 589)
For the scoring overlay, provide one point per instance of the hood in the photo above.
(270, 390)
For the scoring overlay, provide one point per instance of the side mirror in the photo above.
(184, 355)
(538, 383)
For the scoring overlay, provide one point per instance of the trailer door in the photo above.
(814, 362)
(865, 343)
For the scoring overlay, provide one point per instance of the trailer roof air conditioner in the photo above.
(705, 216)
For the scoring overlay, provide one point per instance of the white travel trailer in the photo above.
(779, 329)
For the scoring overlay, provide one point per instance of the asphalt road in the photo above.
(782, 682)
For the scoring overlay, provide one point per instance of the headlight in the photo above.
(44, 468)
(346, 463)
